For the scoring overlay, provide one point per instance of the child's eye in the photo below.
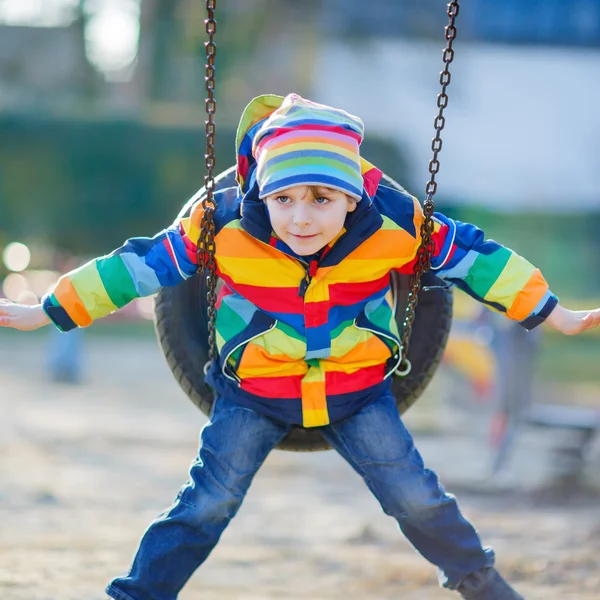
(283, 199)
(321, 200)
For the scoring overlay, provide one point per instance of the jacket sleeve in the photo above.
(138, 268)
(488, 271)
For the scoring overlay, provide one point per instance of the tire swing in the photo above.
(185, 314)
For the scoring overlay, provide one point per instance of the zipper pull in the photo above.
(304, 285)
(308, 275)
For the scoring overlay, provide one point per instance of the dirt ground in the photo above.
(83, 470)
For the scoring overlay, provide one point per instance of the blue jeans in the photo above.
(235, 443)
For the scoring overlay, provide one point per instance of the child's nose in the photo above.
(302, 217)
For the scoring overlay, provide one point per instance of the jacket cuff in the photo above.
(537, 318)
(57, 314)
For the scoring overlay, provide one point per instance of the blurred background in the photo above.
(102, 138)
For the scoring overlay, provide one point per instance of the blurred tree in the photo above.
(90, 82)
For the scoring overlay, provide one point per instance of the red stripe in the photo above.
(371, 180)
(243, 165)
(191, 249)
(438, 239)
(316, 313)
(274, 387)
(225, 291)
(272, 299)
(167, 245)
(337, 382)
(408, 268)
(346, 294)
(308, 127)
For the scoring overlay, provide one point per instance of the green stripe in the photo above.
(234, 358)
(229, 323)
(485, 271)
(290, 331)
(380, 317)
(54, 301)
(338, 330)
(116, 280)
(301, 162)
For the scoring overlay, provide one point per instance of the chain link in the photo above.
(206, 241)
(423, 259)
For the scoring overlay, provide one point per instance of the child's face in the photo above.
(307, 218)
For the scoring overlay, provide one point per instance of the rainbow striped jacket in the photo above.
(304, 343)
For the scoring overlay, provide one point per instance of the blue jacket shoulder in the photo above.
(397, 205)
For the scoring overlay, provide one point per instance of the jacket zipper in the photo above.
(247, 341)
(310, 272)
(398, 356)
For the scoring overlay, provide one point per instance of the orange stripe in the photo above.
(69, 299)
(386, 244)
(257, 362)
(313, 395)
(529, 298)
(235, 243)
(365, 354)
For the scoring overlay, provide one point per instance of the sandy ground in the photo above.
(83, 470)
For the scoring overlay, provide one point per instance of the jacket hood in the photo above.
(252, 119)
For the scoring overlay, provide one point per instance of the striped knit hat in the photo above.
(305, 143)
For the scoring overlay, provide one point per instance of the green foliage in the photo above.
(86, 186)
(564, 246)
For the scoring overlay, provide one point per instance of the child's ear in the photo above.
(352, 204)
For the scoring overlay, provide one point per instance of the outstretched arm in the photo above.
(489, 272)
(499, 277)
(572, 322)
(22, 316)
(138, 268)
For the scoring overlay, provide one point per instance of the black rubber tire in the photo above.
(181, 326)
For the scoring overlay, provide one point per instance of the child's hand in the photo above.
(571, 322)
(22, 316)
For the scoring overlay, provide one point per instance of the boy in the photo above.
(304, 247)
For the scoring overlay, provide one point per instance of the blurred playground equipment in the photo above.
(496, 358)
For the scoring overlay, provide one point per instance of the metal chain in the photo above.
(425, 251)
(206, 242)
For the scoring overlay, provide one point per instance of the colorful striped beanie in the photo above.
(305, 143)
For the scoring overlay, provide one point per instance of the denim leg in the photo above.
(233, 445)
(378, 446)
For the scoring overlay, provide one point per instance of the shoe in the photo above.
(486, 584)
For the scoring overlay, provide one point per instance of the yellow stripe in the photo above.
(314, 402)
(529, 298)
(89, 287)
(191, 224)
(347, 339)
(389, 225)
(65, 294)
(512, 280)
(359, 271)
(287, 147)
(317, 291)
(251, 271)
(366, 353)
(277, 342)
(315, 418)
